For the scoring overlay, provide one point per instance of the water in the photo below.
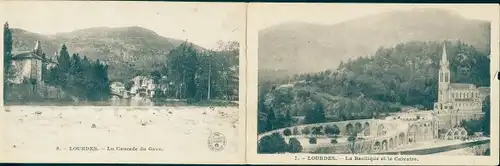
(124, 102)
(110, 102)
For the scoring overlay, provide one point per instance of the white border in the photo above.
(141, 157)
(490, 11)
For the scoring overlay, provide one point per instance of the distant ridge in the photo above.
(303, 47)
(123, 47)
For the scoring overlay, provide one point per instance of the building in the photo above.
(456, 101)
(27, 66)
(142, 87)
(117, 88)
(27, 76)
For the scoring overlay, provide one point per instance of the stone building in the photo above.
(27, 66)
(143, 87)
(118, 88)
(456, 101)
(27, 76)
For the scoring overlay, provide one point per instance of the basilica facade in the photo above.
(456, 101)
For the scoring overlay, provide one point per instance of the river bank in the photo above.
(124, 102)
(34, 133)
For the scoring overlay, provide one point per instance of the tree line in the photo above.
(369, 87)
(80, 77)
(200, 75)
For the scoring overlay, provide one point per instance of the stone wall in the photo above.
(477, 146)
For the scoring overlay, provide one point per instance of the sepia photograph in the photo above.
(105, 81)
(384, 82)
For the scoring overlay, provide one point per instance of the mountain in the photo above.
(127, 50)
(303, 47)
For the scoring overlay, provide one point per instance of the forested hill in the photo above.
(404, 75)
(293, 47)
(128, 50)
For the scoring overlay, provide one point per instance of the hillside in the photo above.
(405, 75)
(303, 47)
(128, 50)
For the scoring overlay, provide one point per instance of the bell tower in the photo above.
(444, 78)
(444, 94)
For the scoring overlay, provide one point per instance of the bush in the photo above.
(306, 131)
(334, 141)
(317, 130)
(274, 143)
(333, 130)
(312, 140)
(294, 145)
(296, 131)
(287, 132)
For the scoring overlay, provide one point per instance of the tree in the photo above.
(273, 143)
(313, 140)
(294, 145)
(45, 72)
(129, 85)
(271, 120)
(295, 131)
(287, 132)
(334, 130)
(7, 58)
(316, 114)
(79, 77)
(487, 116)
(63, 65)
(182, 67)
(306, 131)
(317, 130)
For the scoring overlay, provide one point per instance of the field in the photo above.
(180, 133)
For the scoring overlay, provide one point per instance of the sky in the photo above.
(203, 24)
(266, 15)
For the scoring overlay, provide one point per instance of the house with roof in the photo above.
(26, 69)
(27, 66)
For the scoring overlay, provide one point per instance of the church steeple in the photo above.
(444, 77)
(444, 57)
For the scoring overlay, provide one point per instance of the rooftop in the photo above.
(462, 86)
(17, 55)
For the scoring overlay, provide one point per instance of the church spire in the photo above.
(444, 57)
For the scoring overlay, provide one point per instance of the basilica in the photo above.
(456, 101)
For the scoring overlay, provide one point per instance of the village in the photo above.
(141, 87)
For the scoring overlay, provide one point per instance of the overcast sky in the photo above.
(265, 15)
(202, 24)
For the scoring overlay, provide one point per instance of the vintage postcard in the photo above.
(372, 84)
(126, 82)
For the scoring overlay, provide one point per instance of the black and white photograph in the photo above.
(374, 80)
(158, 81)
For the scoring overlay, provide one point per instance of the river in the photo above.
(123, 102)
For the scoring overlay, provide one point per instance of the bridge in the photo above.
(395, 134)
(378, 136)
